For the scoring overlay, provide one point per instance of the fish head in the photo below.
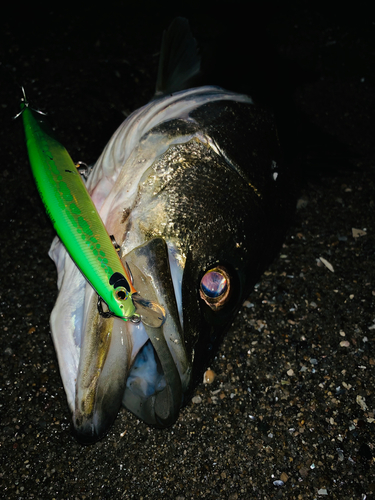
(214, 227)
(201, 251)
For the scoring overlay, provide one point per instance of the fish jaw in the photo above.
(105, 358)
(145, 368)
(155, 280)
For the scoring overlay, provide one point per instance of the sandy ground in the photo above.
(291, 411)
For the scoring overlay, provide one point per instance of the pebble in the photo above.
(209, 376)
(358, 232)
(284, 477)
(327, 264)
(248, 304)
(361, 401)
(344, 343)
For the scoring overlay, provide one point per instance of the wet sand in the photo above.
(291, 412)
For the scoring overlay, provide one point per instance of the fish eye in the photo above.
(213, 284)
(215, 287)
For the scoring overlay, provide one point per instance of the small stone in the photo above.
(284, 477)
(344, 343)
(302, 202)
(303, 471)
(322, 491)
(358, 232)
(361, 401)
(248, 304)
(196, 400)
(290, 372)
(327, 264)
(209, 376)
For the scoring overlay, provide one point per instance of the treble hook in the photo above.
(108, 314)
(27, 105)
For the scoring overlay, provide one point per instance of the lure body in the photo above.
(75, 217)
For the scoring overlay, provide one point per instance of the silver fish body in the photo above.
(193, 190)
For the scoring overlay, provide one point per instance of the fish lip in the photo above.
(88, 434)
(103, 368)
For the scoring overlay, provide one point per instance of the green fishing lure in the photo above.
(75, 218)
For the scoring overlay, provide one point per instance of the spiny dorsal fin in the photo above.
(179, 60)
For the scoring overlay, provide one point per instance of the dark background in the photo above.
(293, 399)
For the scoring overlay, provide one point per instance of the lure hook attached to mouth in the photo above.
(147, 311)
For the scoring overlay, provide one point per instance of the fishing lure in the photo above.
(75, 218)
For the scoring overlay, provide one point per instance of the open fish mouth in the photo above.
(142, 367)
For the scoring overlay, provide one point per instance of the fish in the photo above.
(193, 189)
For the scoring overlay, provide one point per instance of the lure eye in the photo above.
(121, 293)
(215, 287)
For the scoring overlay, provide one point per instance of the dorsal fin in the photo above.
(179, 60)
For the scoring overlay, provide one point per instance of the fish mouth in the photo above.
(144, 368)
